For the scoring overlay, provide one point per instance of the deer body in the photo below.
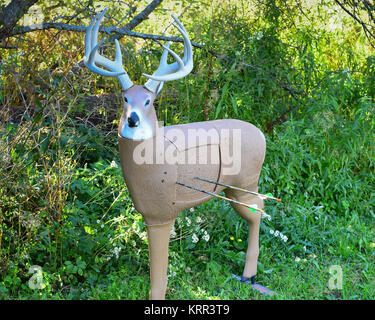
(154, 159)
(165, 199)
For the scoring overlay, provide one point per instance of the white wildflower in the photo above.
(173, 232)
(194, 238)
(143, 235)
(116, 251)
(206, 236)
(256, 35)
(188, 221)
(199, 220)
(113, 164)
(279, 234)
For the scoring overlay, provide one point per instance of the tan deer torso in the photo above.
(165, 199)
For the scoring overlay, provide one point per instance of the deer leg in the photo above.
(158, 244)
(253, 221)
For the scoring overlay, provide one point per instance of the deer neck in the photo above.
(135, 152)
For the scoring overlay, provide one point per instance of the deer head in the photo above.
(138, 120)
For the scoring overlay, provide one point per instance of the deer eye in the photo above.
(147, 103)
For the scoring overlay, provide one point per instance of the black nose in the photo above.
(133, 120)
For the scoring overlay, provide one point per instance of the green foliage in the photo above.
(301, 72)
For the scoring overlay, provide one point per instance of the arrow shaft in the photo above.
(219, 196)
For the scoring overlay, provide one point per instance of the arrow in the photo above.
(221, 197)
(264, 196)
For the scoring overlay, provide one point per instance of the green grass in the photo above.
(326, 224)
(64, 205)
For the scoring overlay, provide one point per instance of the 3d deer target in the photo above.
(155, 159)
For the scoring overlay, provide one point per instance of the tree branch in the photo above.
(367, 31)
(109, 30)
(143, 15)
(137, 19)
(10, 15)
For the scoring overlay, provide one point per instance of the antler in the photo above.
(93, 58)
(178, 69)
